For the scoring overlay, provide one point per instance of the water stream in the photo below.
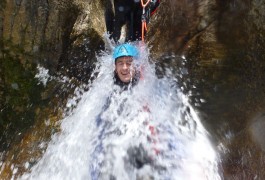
(147, 132)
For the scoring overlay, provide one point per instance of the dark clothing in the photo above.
(129, 13)
(125, 86)
(136, 156)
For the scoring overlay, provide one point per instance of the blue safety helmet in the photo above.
(125, 50)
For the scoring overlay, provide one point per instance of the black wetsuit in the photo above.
(137, 156)
(126, 86)
(127, 12)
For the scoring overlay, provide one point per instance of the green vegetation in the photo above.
(19, 92)
(2, 4)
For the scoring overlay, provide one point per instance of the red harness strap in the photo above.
(145, 108)
(144, 25)
(153, 12)
(153, 132)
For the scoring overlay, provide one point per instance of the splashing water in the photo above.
(147, 132)
(42, 75)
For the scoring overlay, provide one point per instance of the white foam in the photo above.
(185, 150)
(42, 75)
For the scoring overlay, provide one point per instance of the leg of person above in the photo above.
(137, 25)
(109, 16)
(129, 13)
(122, 10)
(123, 13)
(129, 29)
(134, 22)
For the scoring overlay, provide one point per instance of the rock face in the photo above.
(59, 35)
(50, 33)
(223, 42)
(27, 36)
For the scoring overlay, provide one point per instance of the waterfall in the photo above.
(149, 131)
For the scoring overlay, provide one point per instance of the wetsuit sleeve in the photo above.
(105, 107)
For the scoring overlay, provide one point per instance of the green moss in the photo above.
(21, 93)
(2, 4)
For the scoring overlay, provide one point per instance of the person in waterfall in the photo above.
(126, 76)
(125, 73)
(129, 13)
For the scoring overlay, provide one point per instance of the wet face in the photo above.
(124, 68)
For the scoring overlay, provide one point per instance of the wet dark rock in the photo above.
(223, 42)
(42, 32)
(78, 59)
(31, 33)
(19, 94)
(257, 130)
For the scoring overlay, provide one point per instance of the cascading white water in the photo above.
(100, 139)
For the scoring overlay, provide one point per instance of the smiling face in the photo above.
(124, 68)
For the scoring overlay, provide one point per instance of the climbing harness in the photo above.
(145, 17)
(153, 133)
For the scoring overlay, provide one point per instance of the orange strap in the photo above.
(144, 25)
(144, 28)
(144, 5)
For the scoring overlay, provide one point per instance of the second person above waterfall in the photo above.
(131, 13)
